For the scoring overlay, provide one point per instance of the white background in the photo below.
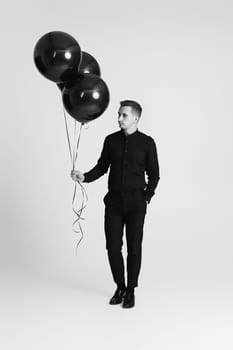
(175, 58)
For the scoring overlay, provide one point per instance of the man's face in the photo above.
(126, 117)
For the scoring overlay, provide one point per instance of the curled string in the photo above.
(84, 194)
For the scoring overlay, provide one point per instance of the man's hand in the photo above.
(77, 175)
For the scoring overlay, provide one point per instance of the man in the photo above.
(129, 153)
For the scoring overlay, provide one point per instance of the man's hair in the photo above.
(135, 106)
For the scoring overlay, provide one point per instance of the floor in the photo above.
(44, 314)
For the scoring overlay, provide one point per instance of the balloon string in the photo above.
(79, 213)
(75, 155)
(74, 150)
(67, 133)
(84, 194)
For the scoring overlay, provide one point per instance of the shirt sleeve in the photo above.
(152, 170)
(102, 164)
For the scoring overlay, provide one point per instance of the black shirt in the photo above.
(129, 157)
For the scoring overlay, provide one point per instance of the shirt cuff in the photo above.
(147, 197)
(85, 177)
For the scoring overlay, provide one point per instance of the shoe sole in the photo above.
(127, 307)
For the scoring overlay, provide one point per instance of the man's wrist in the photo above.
(147, 197)
(85, 177)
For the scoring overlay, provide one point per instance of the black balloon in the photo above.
(86, 97)
(88, 65)
(61, 86)
(57, 56)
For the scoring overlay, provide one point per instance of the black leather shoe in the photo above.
(118, 296)
(129, 300)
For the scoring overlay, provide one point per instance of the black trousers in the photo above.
(125, 209)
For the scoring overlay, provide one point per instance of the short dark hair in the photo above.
(135, 106)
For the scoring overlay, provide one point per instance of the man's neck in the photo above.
(130, 131)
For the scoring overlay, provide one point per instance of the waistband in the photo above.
(126, 190)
